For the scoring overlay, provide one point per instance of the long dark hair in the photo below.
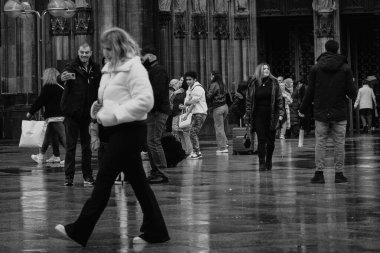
(218, 78)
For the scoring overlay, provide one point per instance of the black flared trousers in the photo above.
(122, 154)
(265, 135)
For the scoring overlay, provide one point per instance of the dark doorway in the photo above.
(287, 44)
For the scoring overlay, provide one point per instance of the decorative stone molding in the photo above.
(60, 26)
(164, 18)
(241, 28)
(220, 24)
(179, 25)
(198, 26)
(325, 18)
(83, 23)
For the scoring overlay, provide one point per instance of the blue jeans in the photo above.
(55, 134)
(220, 114)
(335, 130)
(156, 123)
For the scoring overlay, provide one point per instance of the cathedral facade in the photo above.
(231, 36)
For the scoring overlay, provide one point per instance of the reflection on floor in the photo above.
(221, 203)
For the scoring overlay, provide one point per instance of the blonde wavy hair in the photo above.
(259, 72)
(50, 76)
(122, 44)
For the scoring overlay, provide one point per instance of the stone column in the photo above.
(326, 24)
(252, 48)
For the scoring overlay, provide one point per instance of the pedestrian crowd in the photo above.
(132, 106)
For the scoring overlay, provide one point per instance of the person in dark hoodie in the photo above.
(330, 83)
(81, 81)
(158, 116)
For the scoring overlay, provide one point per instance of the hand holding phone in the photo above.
(72, 76)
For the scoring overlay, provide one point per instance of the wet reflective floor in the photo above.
(221, 203)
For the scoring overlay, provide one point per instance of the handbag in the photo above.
(247, 141)
(32, 133)
(185, 123)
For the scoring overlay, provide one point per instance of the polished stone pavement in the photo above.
(221, 203)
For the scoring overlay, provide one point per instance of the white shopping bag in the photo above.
(184, 123)
(300, 138)
(32, 133)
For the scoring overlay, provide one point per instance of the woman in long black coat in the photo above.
(264, 109)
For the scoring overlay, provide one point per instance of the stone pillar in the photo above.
(134, 13)
(326, 24)
(252, 48)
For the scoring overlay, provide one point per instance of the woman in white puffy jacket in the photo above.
(366, 101)
(125, 97)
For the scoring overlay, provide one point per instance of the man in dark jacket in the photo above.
(157, 117)
(81, 79)
(330, 83)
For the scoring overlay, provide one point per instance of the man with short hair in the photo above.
(330, 83)
(196, 101)
(157, 117)
(81, 80)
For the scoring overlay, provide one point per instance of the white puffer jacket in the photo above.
(125, 92)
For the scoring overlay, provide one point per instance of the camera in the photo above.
(72, 75)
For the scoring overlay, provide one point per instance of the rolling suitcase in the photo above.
(240, 141)
(173, 150)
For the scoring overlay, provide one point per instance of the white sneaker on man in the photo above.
(222, 151)
(144, 156)
(39, 158)
(54, 159)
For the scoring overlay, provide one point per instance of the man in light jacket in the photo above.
(196, 100)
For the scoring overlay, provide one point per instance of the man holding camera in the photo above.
(81, 81)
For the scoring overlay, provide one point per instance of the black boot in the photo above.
(339, 178)
(268, 164)
(318, 178)
(262, 163)
(269, 154)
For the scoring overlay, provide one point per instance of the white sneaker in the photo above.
(220, 151)
(282, 137)
(139, 240)
(39, 158)
(195, 156)
(54, 159)
(144, 156)
(62, 231)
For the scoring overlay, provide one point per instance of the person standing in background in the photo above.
(330, 83)
(81, 81)
(216, 95)
(366, 101)
(196, 101)
(182, 134)
(158, 116)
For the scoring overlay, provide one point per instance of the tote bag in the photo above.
(32, 133)
(185, 123)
